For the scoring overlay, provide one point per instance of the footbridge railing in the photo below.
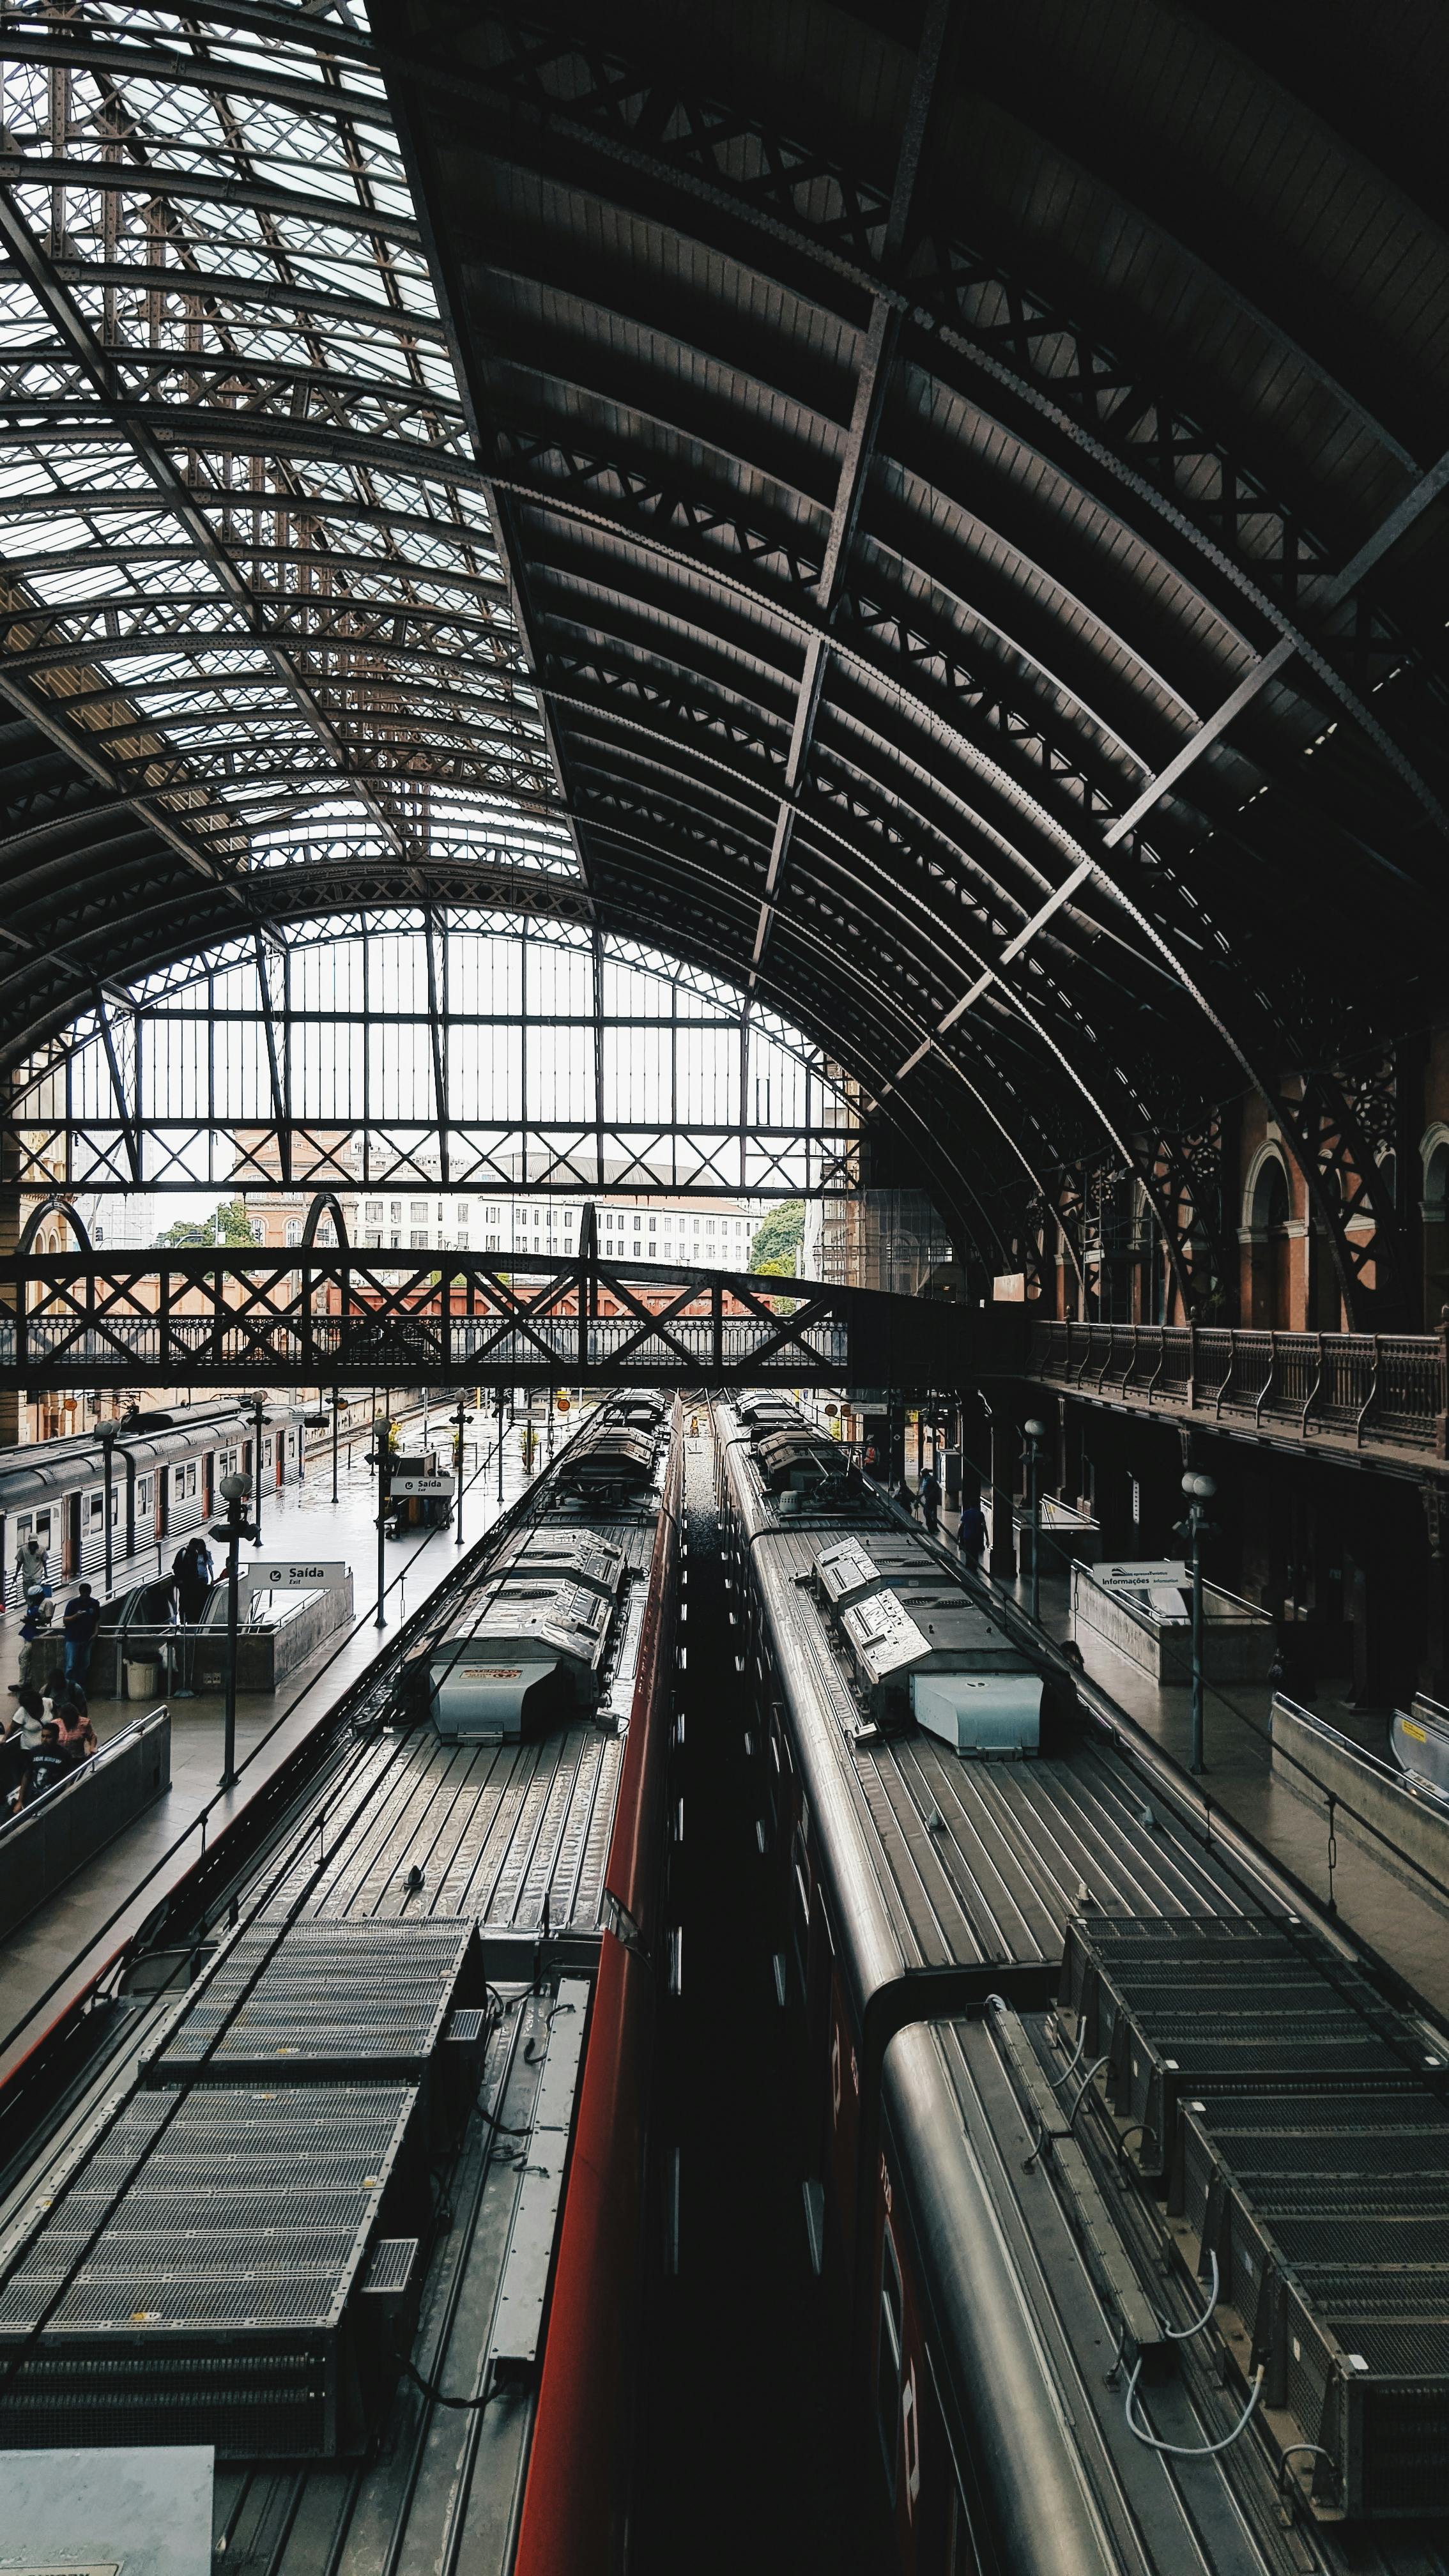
(317, 1315)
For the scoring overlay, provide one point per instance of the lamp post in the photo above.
(108, 1432)
(257, 1406)
(1194, 1529)
(377, 1459)
(500, 1436)
(462, 1417)
(1036, 1433)
(234, 1491)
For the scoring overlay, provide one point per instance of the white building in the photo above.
(714, 1233)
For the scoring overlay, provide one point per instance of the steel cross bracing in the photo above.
(436, 1046)
(322, 1316)
(248, 572)
(886, 565)
(738, 663)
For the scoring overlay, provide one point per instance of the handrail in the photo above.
(1363, 1391)
(83, 1770)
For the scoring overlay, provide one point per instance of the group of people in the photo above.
(49, 1731)
(46, 1736)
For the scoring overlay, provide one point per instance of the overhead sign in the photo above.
(420, 1485)
(294, 1574)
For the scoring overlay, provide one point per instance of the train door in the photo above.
(163, 1501)
(70, 1554)
(208, 1484)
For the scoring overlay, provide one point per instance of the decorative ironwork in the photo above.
(1337, 1130)
(436, 1046)
(1380, 1395)
(316, 1316)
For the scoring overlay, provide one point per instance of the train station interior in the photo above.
(724, 1289)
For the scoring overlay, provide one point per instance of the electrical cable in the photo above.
(1188, 2450)
(1074, 2061)
(1184, 2334)
(436, 2396)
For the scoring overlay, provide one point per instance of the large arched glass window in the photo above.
(467, 1050)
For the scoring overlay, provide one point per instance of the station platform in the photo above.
(1397, 1914)
(59, 1950)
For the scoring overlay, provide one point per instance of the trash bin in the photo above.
(143, 1680)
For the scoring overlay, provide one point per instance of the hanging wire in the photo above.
(1188, 2450)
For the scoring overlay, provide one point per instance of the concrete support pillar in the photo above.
(1005, 1461)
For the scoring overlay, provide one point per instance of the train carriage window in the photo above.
(143, 1493)
(888, 2356)
(96, 1510)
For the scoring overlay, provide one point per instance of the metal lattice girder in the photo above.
(249, 566)
(878, 505)
(436, 1045)
(812, 544)
(324, 1315)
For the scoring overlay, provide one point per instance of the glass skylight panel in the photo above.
(246, 510)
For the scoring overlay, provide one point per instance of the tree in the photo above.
(233, 1225)
(778, 1239)
(228, 1223)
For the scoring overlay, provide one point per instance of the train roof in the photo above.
(56, 1467)
(947, 1866)
(1007, 2261)
(498, 1830)
(833, 1506)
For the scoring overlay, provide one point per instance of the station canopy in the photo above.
(933, 516)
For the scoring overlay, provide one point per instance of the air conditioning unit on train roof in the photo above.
(535, 1653)
(938, 1658)
(847, 1570)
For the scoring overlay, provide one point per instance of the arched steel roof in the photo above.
(968, 501)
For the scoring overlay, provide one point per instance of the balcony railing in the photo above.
(1373, 1393)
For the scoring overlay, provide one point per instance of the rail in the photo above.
(1371, 1394)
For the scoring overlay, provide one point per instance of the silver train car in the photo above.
(162, 1482)
(1062, 2060)
(369, 2206)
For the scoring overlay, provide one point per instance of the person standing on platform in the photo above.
(195, 1573)
(971, 1536)
(12, 1763)
(30, 1717)
(928, 1495)
(81, 1618)
(32, 1565)
(44, 1766)
(34, 1627)
(74, 1732)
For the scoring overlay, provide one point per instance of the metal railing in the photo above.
(45, 1842)
(315, 1315)
(1367, 1391)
